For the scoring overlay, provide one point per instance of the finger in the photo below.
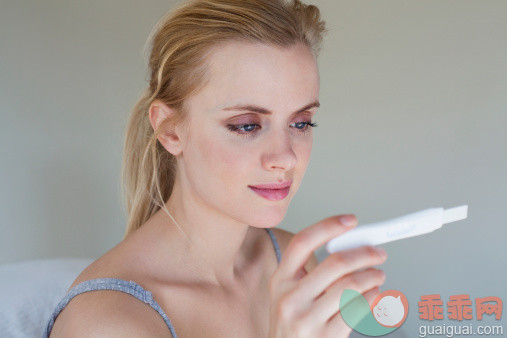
(302, 245)
(371, 294)
(328, 304)
(337, 265)
(337, 326)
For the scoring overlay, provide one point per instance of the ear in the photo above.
(168, 137)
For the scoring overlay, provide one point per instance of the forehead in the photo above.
(277, 78)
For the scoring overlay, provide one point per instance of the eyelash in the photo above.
(237, 128)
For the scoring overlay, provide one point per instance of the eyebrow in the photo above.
(261, 110)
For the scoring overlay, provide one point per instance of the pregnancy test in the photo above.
(414, 224)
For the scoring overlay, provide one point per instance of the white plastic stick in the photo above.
(410, 225)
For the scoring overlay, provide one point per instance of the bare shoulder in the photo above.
(108, 313)
(284, 237)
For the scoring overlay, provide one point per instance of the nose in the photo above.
(279, 153)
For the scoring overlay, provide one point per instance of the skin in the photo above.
(225, 281)
(211, 198)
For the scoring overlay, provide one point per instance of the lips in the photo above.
(272, 191)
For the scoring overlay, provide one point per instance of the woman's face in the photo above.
(228, 149)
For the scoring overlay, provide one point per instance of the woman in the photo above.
(215, 150)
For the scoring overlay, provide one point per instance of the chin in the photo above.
(268, 218)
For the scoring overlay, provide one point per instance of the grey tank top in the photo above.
(130, 287)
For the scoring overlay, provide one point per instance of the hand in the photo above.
(306, 304)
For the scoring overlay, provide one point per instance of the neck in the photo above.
(215, 248)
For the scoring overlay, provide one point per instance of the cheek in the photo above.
(308, 149)
(303, 150)
(221, 162)
(231, 163)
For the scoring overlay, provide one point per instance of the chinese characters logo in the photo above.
(459, 307)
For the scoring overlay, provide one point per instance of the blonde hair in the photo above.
(179, 44)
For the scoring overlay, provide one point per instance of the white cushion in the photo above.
(30, 291)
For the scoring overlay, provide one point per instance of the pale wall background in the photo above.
(413, 116)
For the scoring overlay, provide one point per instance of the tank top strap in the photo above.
(129, 287)
(275, 244)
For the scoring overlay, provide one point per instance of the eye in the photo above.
(250, 129)
(243, 128)
(304, 125)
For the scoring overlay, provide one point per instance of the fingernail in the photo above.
(382, 252)
(348, 220)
